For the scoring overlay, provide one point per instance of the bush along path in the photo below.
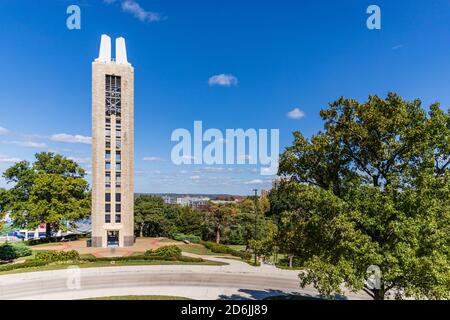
(55, 258)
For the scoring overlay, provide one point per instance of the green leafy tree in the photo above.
(218, 217)
(371, 189)
(149, 216)
(189, 221)
(52, 190)
(3, 195)
(264, 242)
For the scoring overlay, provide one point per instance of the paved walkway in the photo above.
(237, 280)
(141, 245)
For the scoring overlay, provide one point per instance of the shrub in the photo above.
(221, 248)
(7, 252)
(57, 256)
(143, 258)
(11, 251)
(21, 249)
(189, 237)
(167, 251)
(26, 264)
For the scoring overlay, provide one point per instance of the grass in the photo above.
(237, 247)
(44, 245)
(102, 264)
(139, 298)
(198, 249)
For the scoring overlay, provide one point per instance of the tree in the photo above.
(189, 221)
(3, 195)
(264, 242)
(371, 189)
(52, 190)
(149, 216)
(219, 216)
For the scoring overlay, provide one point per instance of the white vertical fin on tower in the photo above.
(121, 51)
(105, 49)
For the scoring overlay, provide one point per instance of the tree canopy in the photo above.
(371, 189)
(52, 191)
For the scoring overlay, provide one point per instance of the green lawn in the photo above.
(198, 249)
(101, 264)
(140, 298)
(237, 247)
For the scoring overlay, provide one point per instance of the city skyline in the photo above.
(276, 72)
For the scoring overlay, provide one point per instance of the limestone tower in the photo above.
(112, 147)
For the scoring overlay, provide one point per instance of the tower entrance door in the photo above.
(113, 239)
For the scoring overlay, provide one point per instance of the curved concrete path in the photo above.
(237, 280)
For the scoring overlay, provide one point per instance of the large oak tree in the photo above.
(372, 188)
(52, 191)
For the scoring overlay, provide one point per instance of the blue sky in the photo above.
(284, 55)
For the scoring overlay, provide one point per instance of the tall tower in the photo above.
(112, 147)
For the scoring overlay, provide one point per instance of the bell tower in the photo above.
(112, 147)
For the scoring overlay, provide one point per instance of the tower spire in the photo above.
(121, 51)
(105, 49)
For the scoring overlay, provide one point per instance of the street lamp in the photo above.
(256, 218)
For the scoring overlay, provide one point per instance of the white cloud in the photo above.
(153, 159)
(256, 181)
(296, 114)
(194, 177)
(396, 47)
(135, 9)
(6, 159)
(3, 131)
(28, 144)
(224, 80)
(268, 171)
(68, 138)
(218, 170)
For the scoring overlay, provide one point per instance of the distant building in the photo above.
(170, 200)
(225, 201)
(9, 233)
(193, 202)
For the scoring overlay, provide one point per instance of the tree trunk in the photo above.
(378, 294)
(291, 259)
(141, 231)
(217, 235)
(48, 230)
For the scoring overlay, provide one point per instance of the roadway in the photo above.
(237, 280)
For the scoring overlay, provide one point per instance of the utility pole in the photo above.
(256, 219)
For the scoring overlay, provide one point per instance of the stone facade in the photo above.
(118, 230)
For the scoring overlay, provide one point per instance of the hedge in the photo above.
(143, 258)
(57, 256)
(10, 251)
(186, 237)
(26, 264)
(167, 251)
(221, 248)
